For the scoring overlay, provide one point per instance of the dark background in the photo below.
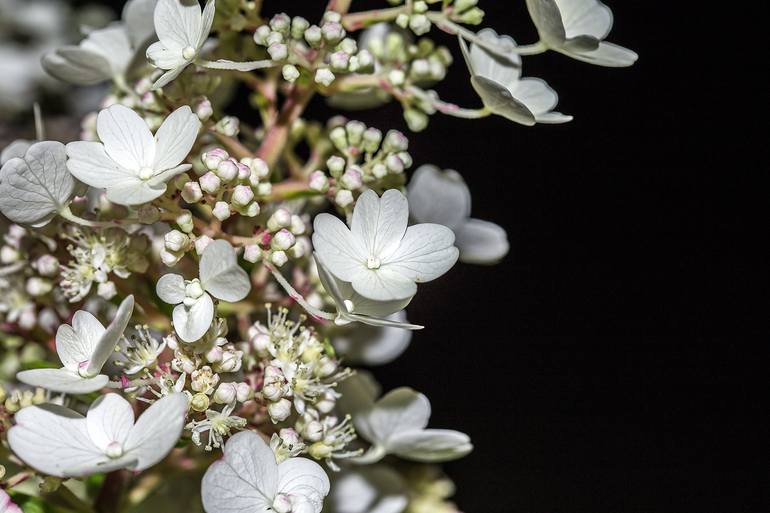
(616, 360)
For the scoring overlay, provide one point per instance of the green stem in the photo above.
(67, 214)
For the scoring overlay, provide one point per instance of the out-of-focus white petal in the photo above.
(439, 197)
(400, 410)
(373, 489)
(341, 253)
(430, 445)
(157, 430)
(191, 323)
(170, 288)
(358, 392)
(62, 380)
(109, 339)
(53, 440)
(113, 43)
(369, 345)
(175, 138)
(380, 223)
(305, 482)
(16, 149)
(425, 253)
(126, 137)
(481, 242)
(220, 273)
(109, 419)
(89, 163)
(75, 65)
(137, 15)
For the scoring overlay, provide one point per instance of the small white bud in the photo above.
(339, 137)
(210, 182)
(228, 126)
(318, 181)
(185, 221)
(281, 218)
(352, 179)
(225, 394)
(37, 286)
(298, 27)
(280, 23)
(339, 61)
(282, 240)
(201, 243)
(348, 45)
(191, 192)
(227, 170)
(47, 265)
(313, 36)
(278, 51)
(355, 131)
(297, 225)
(332, 32)
(261, 35)
(379, 170)
(280, 411)
(168, 258)
(396, 77)
(343, 198)
(324, 76)
(313, 431)
(394, 164)
(212, 158)
(242, 195)
(279, 258)
(221, 210)
(252, 253)
(402, 20)
(259, 167)
(106, 290)
(9, 255)
(203, 109)
(290, 72)
(176, 241)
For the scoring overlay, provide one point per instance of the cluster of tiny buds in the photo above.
(284, 237)
(288, 40)
(367, 157)
(19, 399)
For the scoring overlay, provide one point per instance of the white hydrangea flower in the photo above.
(7, 505)
(83, 348)
(60, 442)
(498, 82)
(374, 489)
(396, 424)
(442, 197)
(182, 30)
(577, 28)
(374, 345)
(130, 163)
(105, 54)
(36, 187)
(379, 256)
(219, 276)
(248, 479)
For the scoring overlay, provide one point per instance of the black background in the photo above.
(616, 360)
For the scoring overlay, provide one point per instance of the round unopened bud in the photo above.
(252, 253)
(243, 392)
(242, 195)
(221, 210)
(9, 255)
(274, 38)
(348, 45)
(226, 393)
(191, 192)
(324, 76)
(227, 170)
(462, 5)
(37, 286)
(107, 290)
(313, 431)
(365, 59)
(215, 354)
(201, 243)
(278, 51)
(420, 68)
(210, 182)
(259, 168)
(199, 402)
(416, 120)
(168, 258)
(261, 343)
(318, 181)
(244, 171)
(185, 221)
(261, 35)
(339, 61)
(371, 140)
(282, 240)
(352, 179)
(279, 258)
(298, 27)
(339, 137)
(231, 361)
(396, 77)
(395, 141)
(290, 72)
(394, 164)
(272, 392)
(379, 170)
(212, 158)
(280, 410)
(300, 248)
(472, 16)
(228, 126)
(355, 131)
(343, 198)
(280, 23)
(313, 36)
(420, 24)
(297, 225)
(332, 16)
(203, 109)
(176, 240)
(281, 218)
(47, 265)
(332, 32)
(402, 20)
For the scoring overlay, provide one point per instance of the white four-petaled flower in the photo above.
(83, 348)
(219, 276)
(442, 197)
(249, 480)
(130, 163)
(60, 442)
(182, 30)
(577, 28)
(382, 258)
(497, 80)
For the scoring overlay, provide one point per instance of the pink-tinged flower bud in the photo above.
(343, 198)
(279, 411)
(212, 158)
(210, 182)
(201, 243)
(395, 141)
(203, 109)
(352, 179)
(313, 36)
(191, 192)
(242, 195)
(243, 392)
(273, 372)
(281, 218)
(225, 394)
(176, 241)
(332, 32)
(278, 51)
(47, 265)
(243, 171)
(282, 240)
(252, 253)
(394, 164)
(339, 61)
(280, 22)
(215, 354)
(282, 503)
(227, 170)
(221, 210)
(279, 258)
(290, 436)
(379, 170)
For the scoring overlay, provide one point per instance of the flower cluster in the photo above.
(192, 278)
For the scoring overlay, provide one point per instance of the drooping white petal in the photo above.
(34, 188)
(398, 411)
(373, 489)
(157, 430)
(178, 23)
(137, 15)
(53, 440)
(608, 54)
(481, 242)
(112, 42)
(548, 21)
(430, 445)
(75, 344)
(109, 339)
(380, 222)
(175, 138)
(585, 17)
(503, 70)
(220, 273)
(539, 98)
(89, 163)
(387, 283)
(169, 58)
(192, 322)
(341, 253)
(369, 345)
(109, 420)
(245, 480)
(305, 482)
(135, 191)
(425, 253)
(439, 197)
(75, 65)
(126, 137)
(62, 380)
(207, 19)
(170, 288)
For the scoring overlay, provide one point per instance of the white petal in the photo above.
(170, 288)
(370, 345)
(167, 58)
(192, 323)
(439, 197)
(499, 99)
(135, 192)
(607, 54)
(373, 489)
(75, 65)
(342, 254)
(157, 430)
(358, 392)
(430, 445)
(34, 188)
(425, 253)
(89, 163)
(113, 43)
(540, 99)
(398, 411)
(481, 242)
(53, 440)
(220, 273)
(178, 22)
(380, 223)
(237, 66)
(108, 340)
(16, 149)
(126, 137)
(207, 19)
(388, 283)
(305, 481)
(109, 419)
(75, 344)
(7, 505)
(245, 480)
(504, 70)
(62, 380)
(380, 322)
(585, 17)
(137, 15)
(175, 138)
(547, 18)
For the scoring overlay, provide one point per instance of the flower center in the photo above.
(188, 53)
(83, 370)
(145, 173)
(193, 289)
(114, 450)
(282, 503)
(373, 262)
